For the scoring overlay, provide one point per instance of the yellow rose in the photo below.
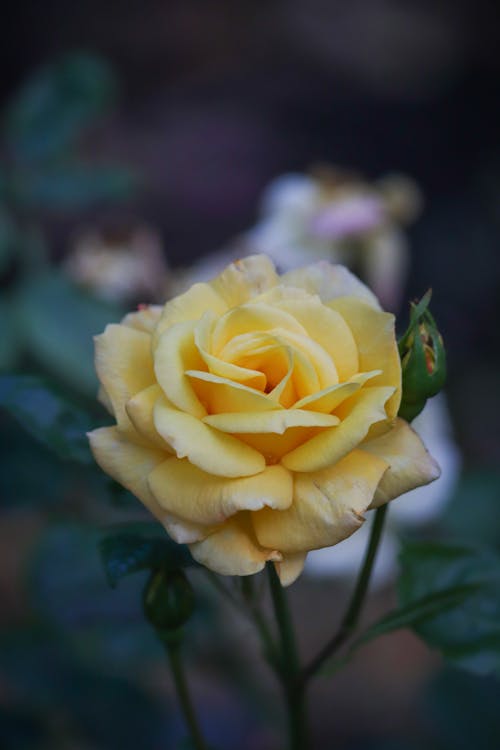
(256, 414)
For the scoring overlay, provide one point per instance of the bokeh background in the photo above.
(157, 125)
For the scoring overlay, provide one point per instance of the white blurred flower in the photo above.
(122, 265)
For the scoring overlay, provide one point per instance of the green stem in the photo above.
(289, 665)
(174, 655)
(266, 638)
(353, 612)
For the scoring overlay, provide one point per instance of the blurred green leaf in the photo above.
(57, 324)
(462, 711)
(9, 240)
(140, 546)
(71, 186)
(90, 707)
(47, 415)
(10, 348)
(468, 632)
(419, 611)
(472, 514)
(54, 108)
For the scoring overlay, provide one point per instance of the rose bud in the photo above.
(168, 600)
(423, 360)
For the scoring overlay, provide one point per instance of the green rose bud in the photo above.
(423, 359)
(168, 601)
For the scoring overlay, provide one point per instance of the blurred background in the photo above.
(140, 146)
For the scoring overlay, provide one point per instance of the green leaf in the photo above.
(55, 107)
(46, 415)
(57, 322)
(475, 522)
(467, 632)
(72, 186)
(135, 546)
(418, 612)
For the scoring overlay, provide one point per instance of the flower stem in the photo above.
(289, 665)
(174, 655)
(353, 612)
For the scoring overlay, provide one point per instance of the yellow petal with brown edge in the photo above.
(290, 568)
(327, 506)
(410, 464)
(328, 282)
(333, 444)
(245, 279)
(233, 549)
(373, 331)
(205, 447)
(269, 421)
(175, 353)
(124, 366)
(140, 411)
(219, 394)
(199, 497)
(190, 305)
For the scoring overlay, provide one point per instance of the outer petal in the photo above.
(328, 282)
(410, 465)
(373, 331)
(205, 447)
(199, 497)
(124, 366)
(190, 306)
(140, 411)
(290, 568)
(326, 508)
(245, 279)
(128, 463)
(145, 319)
(332, 444)
(233, 549)
(175, 353)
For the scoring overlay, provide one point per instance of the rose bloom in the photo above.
(256, 414)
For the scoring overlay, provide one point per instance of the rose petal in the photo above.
(191, 305)
(217, 366)
(245, 279)
(222, 395)
(373, 331)
(250, 318)
(128, 463)
(332, 444)
(144, 319)
(290, 568)
(140, 411)
(210, 450)
(233, 549)
(410, 464)
(201, 497)
(117, 352)
(328, 282)
(175, 353)
(324, 326)
(269, 421)
(326, 508)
